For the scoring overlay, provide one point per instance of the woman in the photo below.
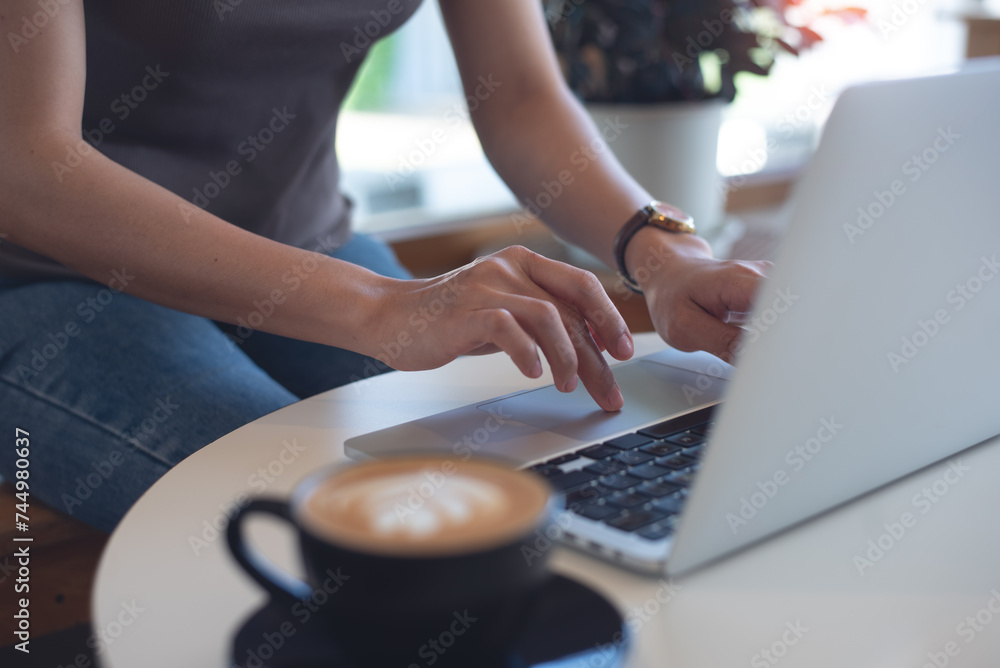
(200, 193)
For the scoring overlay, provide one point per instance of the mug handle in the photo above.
(278, 583)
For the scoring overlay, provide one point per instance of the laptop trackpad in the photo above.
(652, 391)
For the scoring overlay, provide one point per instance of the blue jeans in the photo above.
(115, 390)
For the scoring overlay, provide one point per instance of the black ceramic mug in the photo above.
(406, 553)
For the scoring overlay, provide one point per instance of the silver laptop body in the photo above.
(873, 350)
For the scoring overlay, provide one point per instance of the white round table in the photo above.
(168, 593)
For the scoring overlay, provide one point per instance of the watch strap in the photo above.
(657, 214)
(625, 234)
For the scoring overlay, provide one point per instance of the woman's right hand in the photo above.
(516, 301)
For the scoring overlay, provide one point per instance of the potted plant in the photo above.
(664, 69)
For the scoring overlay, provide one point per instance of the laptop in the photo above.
(873, 351)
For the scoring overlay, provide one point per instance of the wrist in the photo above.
(653, 251)
(356, 304)
(375, 324)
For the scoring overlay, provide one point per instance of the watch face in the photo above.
(671, 212)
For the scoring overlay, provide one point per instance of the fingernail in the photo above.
(624, 346)
(571, 384)
(615, 398)
(536, 369)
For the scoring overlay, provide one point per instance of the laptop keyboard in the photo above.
(638, 482)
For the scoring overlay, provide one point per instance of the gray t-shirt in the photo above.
(231, 104)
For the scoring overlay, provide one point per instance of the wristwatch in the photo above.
(658, 214)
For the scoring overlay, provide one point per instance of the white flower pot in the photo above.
(670, 149)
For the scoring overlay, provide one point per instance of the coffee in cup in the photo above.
(422, 507)
(416, 542)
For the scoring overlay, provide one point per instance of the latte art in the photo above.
(406, 505)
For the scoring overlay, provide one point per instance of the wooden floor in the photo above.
(63, 555)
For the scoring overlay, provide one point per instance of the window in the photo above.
(775, 122)
(410, 158)
(412, 163)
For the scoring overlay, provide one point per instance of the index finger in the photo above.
(581, 290)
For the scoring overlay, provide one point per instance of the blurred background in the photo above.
(755, 96)
(414, 168)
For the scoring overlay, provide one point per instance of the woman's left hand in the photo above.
(696, 301)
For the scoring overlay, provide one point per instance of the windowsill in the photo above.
(748, 192)
(439, 182)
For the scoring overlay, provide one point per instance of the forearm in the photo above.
(534, 131)
(536, 134)
(547, 139)
(566, 154)
(102, 218)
